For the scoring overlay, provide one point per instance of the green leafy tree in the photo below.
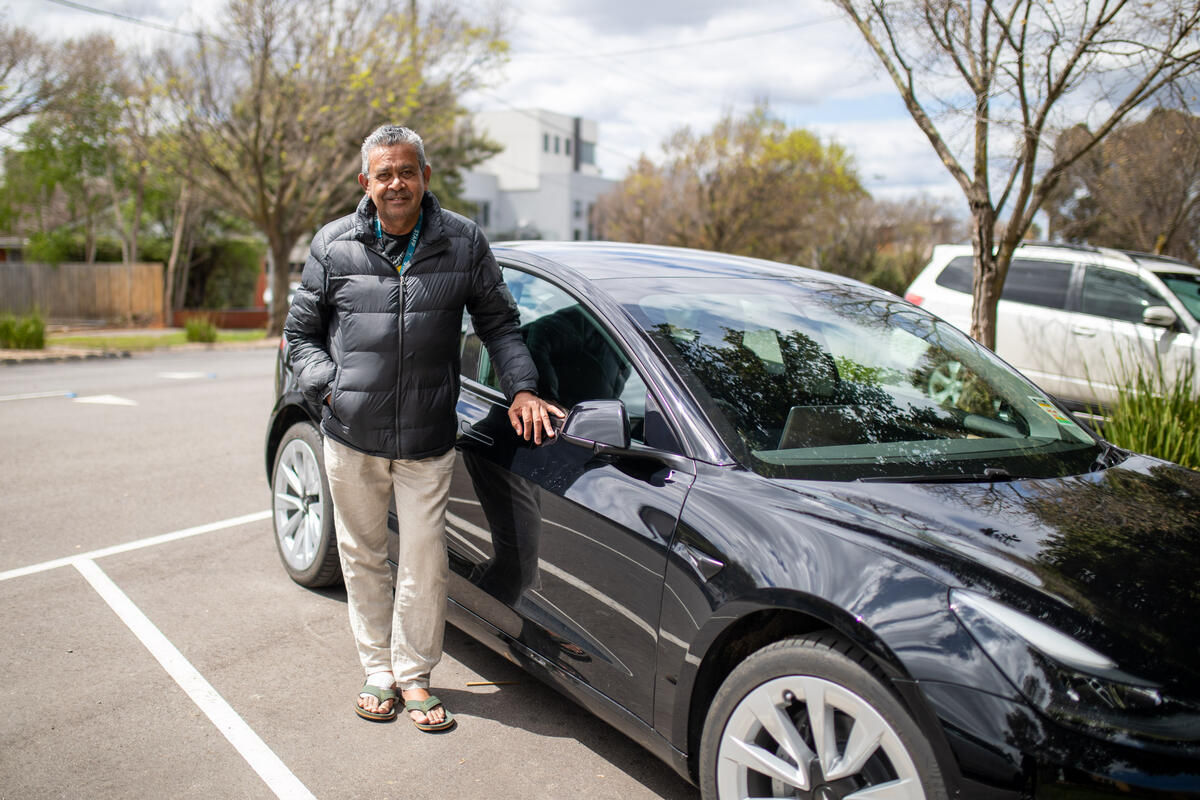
(273, 113)
(75, 162)
(749, 186)
(989, 83)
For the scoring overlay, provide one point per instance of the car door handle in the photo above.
(705, 565)
(1080, 330)
(469, 431)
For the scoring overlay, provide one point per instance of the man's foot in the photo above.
(377, 698)
(375, 704)
(426, 711)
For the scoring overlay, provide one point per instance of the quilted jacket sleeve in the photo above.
(307, 328)
(496, 320)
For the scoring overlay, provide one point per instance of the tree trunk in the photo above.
(181, 210)
(280, 279)
(986, 285)
(135, 225)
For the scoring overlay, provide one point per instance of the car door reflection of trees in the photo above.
(562, 550)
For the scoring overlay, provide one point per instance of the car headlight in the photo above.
(1068, 680)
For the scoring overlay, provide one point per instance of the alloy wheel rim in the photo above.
(299, 504)
(945, 385)
(806, 737)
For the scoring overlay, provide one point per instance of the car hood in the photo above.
(1119, 548)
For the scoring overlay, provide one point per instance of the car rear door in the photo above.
(1032, 322)
(562, 550)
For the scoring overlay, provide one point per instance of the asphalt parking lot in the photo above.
(155, 648)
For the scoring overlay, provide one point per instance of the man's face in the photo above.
(396, 183)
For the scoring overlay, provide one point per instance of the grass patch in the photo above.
(143, 341)
(22, 333)
(1159, 416)
(200, 329)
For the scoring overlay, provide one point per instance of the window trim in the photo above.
(677, 430)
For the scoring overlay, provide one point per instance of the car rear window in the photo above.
(1032, 281)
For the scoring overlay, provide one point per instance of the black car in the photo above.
(762, 548)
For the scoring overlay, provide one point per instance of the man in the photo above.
(374, 331)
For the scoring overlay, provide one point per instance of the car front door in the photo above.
(562, 550)
(1112, 341)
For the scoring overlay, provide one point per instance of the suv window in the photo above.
(575, 356)
(1033, 281)
(1117, 295)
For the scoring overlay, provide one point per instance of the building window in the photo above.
(483, 214)
(557, 142)
(587, 153)
(546, 142)
(578, 234)
(568, 146)
(578, 209)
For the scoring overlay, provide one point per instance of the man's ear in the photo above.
(362, 181)
(428, 172)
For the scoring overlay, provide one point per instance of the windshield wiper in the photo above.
(1110, 456)
(989, 475)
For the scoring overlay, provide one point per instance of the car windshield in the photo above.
(1186, 287)
(814, 380)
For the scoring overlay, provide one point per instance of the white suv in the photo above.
(1077, 320)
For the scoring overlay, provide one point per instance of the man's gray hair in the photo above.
(388, 135)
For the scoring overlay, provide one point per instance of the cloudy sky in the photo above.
(641, 69)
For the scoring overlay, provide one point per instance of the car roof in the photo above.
(1120, 259)
(599, 261)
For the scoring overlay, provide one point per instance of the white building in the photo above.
(543, 183)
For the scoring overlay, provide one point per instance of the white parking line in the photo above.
(35, 396)
(252, 748)
(135, 545)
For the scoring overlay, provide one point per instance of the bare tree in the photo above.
(30, 76)
(985, 77)
(1139, 189)
(272, 114)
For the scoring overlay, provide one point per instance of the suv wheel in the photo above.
(302, 511)
(808, 717)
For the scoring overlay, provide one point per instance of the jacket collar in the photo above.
(431, 228)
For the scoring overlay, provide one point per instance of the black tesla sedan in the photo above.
(800, 538)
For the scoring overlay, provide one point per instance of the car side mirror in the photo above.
(1159, 317)
(597, 424)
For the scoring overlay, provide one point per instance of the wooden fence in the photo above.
(113, 293)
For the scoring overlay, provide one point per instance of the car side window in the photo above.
(1032, 281)
(1117, 295)
(957, 274)
(1038, 282)
(576, 357)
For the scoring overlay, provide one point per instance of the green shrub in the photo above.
(22, 333)
(1158, 415)
(200, 329)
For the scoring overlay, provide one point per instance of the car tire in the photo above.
(759, 741)
(301, 509)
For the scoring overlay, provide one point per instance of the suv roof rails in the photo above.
(1137, 255)
(1091, 248)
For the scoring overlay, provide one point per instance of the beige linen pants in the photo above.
(403, 634)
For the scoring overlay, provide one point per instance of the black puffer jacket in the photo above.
(385, 347)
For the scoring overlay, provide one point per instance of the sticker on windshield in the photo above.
(1052, 410)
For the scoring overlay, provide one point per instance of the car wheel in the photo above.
(808, 717)
(302, 510)
(945, 385)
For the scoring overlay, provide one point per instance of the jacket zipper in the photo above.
(400, 366)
